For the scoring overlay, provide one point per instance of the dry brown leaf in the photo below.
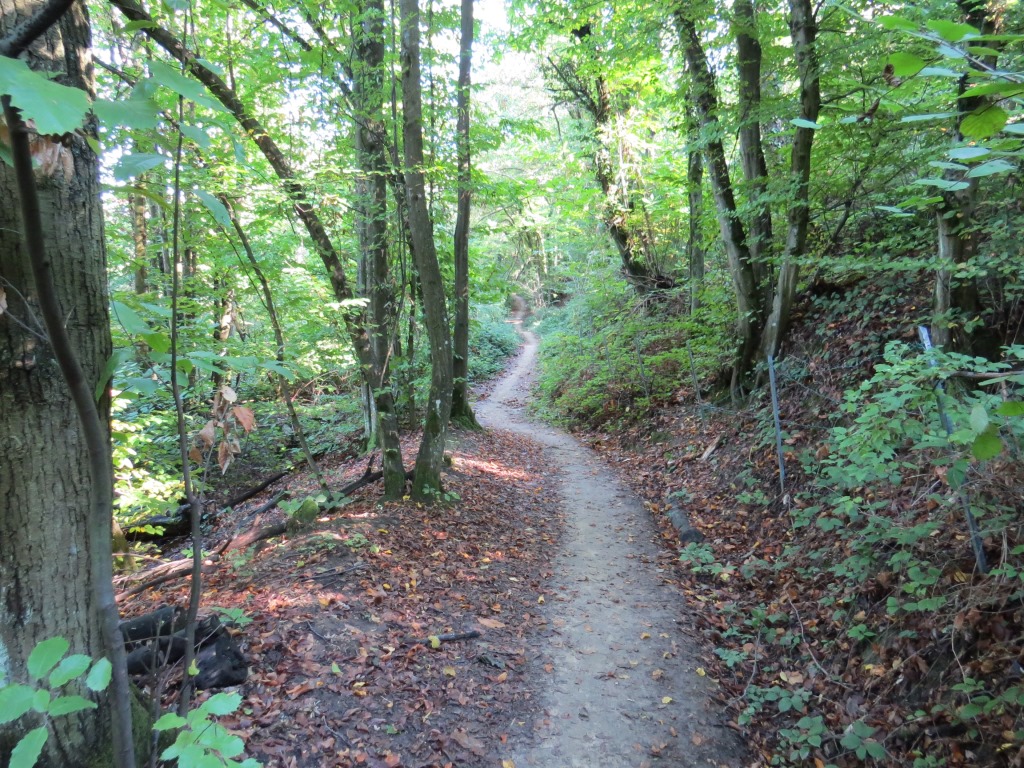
(208, 434)
(491, 623)
(224, 456)
(470, 743)
(228, 394)
(245, 417)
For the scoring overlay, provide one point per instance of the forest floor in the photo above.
(586, 653)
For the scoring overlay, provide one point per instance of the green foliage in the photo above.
(51, 671)
(201, 740)
(492, 341)
(608, 357)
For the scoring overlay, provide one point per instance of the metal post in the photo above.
(947, 424)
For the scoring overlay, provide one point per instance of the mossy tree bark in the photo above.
(430, 459)
(372, 227)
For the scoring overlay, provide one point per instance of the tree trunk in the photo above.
(430, 460)
(48, 499)
(803, 30)
(462, 413)
(957, 299)
(137, 203)
(755, 168)
(749, 303)
(695, 193)
(372, 227)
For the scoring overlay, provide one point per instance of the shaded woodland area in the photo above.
(255, 264)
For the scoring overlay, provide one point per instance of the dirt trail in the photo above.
(623, 688)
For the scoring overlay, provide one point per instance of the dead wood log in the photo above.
(176, 523)
(178, 568)
(681, 522)
(218, 658)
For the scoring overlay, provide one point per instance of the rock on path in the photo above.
(624, 689)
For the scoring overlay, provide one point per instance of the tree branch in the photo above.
(24, 35)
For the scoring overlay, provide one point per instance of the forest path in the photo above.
(621, 687)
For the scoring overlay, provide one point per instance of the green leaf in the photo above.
(129, 318)
(800, 122)
(99, 676)
(1017, 129)
(216, 209)
(177, 82)
(158, 341)
(968, 153)
(906, 64)
(198, 135)
(1011, 408)
(939, 72)
(27, 751)
(931, 116)
(131, 26)
(141, 114)
(221, 703)
(990, 168)
(69, 669)
(897, 22)
(951, 31)
(65, 705)
(970, 710)
(979, 419)
(987, 445)
(984, 122)
(946, 184)
(112, 364)
(137, 163)
(948, 166)
(41, 700)
(279, 369)
(169, 721)
(54, 108)
(999, 88)
(45, 656)
(15, 701)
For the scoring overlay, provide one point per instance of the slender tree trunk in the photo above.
(137, 204)
(279, 355)
(803, 30)
(755, 168)
(372, 228)
(695, 195)
(56, 485)
(462, 413)
(430, 459)
(957, 298)
(749, 303)
(304, 210)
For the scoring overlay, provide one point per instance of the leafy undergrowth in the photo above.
(847, 620)
(337, 677)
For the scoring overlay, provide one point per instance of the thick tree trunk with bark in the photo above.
(749, 301)
(803, 30)
(430, 459)
(755, 168)
(47, 576)
(462, 413)
(372, 227)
